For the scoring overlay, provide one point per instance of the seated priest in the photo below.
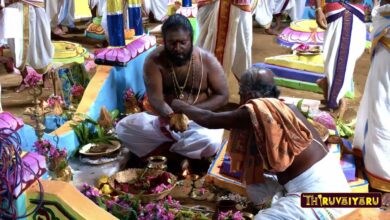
(177, 70)
(275, 148)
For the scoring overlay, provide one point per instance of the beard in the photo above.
(179, 59)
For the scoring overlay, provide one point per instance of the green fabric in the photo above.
(194, 24)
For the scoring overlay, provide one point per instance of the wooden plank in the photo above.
(10, 80)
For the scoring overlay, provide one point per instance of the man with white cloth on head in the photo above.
(225, 29)
(372, 132)
(177, 70)
(344, 43)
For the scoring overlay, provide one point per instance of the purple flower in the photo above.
(158, 189)
(109, 203)
(53, 99)
(229, 215)
(237, 216)
(64, 152)
(32, 77)
(95, 192)
(77, 91)
(128, 94)
(85, 186)
(52, 150)
(149, 207)
(43, 147)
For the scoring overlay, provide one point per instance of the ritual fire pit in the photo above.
(148, 184)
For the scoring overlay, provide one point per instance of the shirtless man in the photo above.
(177, 70)
(269, 136)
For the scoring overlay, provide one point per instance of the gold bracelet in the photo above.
(319, 9)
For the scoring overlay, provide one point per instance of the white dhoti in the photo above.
(141, 133)
(345, 41)
(265, 10)
(372, 135)
(324, 176)
(296, 13)
(159, 8)
(225, 29)
(60, 12)
(32, 46)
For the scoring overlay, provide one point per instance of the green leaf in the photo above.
(299, 105)
(62, 165)
(101, 203)
(114, 114)
(100, 131)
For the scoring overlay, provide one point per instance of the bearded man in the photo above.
(177, 70)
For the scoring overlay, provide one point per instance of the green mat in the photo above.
(305, 86)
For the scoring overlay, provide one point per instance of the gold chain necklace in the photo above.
(176, 82)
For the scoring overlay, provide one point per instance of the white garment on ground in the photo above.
(324, 176)
(374, 110)
(141, 133)
(60, 12)
(237, 57)
(333, 35)
(266, 10)
(159, 8)
(40, 50)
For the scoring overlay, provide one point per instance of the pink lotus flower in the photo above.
(32, 77)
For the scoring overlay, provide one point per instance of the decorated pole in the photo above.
(116, 34)
(116, 54)
(135, 16)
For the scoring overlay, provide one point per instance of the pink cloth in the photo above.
(7, 120)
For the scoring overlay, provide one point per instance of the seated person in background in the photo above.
(270, 136)
(177, 70)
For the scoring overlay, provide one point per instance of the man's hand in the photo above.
(179, 122)
(321, 19)
(178, 105)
